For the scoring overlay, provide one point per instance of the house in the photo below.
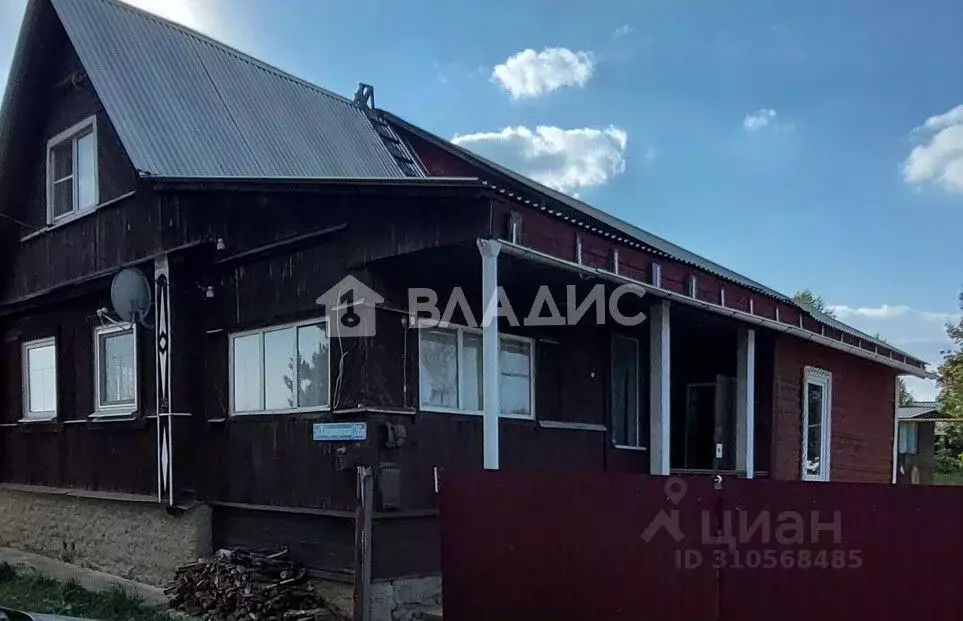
(246, 196)
(916, 442)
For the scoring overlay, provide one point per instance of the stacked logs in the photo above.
(246, 584)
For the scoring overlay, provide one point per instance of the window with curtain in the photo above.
(451, 374)
(40, 379)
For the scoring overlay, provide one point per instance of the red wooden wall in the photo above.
(863, 407)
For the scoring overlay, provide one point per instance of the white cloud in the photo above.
(180, 11)
(623, 30)
(530, 73)
(564, 159)
(758, 119)
(887, 312)
(939, 156)
(917, 332)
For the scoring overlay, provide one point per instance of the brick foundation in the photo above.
(131, 539)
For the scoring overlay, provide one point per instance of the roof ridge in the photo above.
(229, 49)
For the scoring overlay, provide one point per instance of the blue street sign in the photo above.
(340, 432)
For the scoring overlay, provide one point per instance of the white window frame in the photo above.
(265, 330)
(28, 414)
(71, 134)
(126, 409)
(824, 379)
(638, 445)
(461, 331)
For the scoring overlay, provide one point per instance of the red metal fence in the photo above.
(599, 547)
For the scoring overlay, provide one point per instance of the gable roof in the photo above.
(187, 106)
(918, 410)
(651, 242)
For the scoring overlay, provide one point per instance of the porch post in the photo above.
(660, 434)
(489, 249)
(745, 402)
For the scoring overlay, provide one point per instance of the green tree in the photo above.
(808, 299)
(951, 371)
(949, 450)
(905, 395)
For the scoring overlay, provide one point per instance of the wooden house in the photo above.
(245, 194)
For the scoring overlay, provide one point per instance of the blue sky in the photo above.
(803, 144)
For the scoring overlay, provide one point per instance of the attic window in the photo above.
(72, 171)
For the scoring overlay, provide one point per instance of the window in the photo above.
(626, 430)
(909, 437)
(40, 380)
(281, 369)
(817, 409)
(451, 372)
(115, 366)
(72, 171)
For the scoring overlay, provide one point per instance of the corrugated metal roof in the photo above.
(917, 410)
(654, 241)
(646, 238)
(185, 105)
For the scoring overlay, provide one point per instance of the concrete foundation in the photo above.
(132, 539)
(405, 599)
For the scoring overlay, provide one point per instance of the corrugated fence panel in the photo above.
(598, 547)
(567, 546)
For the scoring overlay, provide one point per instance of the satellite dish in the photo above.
(130, 295)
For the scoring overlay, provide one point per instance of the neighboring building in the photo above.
(916, 442)
(246, 194)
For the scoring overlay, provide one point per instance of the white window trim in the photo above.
(262, 331)
(638, 396)
(69, 134)
(461, 330)
(27, 414)
(126, 409)
(820, 377)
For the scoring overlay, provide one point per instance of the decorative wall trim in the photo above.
(165, 426)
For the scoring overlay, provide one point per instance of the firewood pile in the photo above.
(246, 584)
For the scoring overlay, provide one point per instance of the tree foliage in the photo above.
(905, 396)
(808, 299)
(949, 449)
(951, 371)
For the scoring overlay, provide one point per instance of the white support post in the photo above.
(895, 428)
(745, 402)
(489, 250)
(660, 445)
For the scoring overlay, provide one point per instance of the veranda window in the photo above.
(281, 369)
(451, 373)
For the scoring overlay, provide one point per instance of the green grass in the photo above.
(31, 592)
(948, 478)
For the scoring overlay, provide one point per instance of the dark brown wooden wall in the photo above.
(74, 451)
(65, 104)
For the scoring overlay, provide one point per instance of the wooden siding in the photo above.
(863, 406)
(70, 99)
